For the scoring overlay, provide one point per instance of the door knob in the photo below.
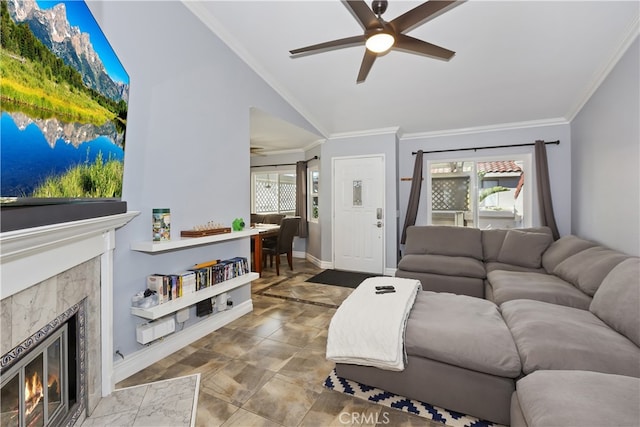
(378, 224)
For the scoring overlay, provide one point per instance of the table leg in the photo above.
(257, 254)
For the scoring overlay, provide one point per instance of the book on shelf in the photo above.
(241, 265)
(174, 282)
(187, 281)
(169, 287)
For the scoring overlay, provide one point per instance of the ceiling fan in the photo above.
(381, 36)
(256, 150)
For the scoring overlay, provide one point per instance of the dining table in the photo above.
(264, 231)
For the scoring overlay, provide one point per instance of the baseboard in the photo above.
(318, 262)
(298, 254)
(328, 265)
(141, 359)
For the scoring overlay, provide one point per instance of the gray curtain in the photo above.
(414, 196)
(544, 189)
(301, 197)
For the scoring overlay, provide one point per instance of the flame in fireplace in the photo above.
(53, 382)
(33, 392)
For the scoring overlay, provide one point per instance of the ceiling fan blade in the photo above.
(412, 45)
(334, 44)
(363, 13)
(420, 14)
(367, 63)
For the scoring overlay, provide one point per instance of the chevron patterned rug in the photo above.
(391, 400)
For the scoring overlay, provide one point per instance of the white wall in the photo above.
(187, 142)
(606, 160)
(559, 158)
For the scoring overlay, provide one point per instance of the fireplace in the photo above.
(43, 378)
(56, 310)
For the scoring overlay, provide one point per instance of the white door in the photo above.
(358, 222)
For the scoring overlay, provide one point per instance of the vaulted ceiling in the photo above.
(517, 63)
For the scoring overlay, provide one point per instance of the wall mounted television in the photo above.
(64, 99)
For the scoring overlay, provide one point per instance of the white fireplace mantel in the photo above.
(32, 255)
(29, 256)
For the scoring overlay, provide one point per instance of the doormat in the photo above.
(347, 279)
(401, 403)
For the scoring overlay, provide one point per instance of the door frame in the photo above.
(385, 217)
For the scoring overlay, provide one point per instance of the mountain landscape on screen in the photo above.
(64, 104)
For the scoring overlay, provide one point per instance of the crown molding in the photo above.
(280, 152)
(483, 129)
(631, 35)
(291, 150)
(368, 132)
(315, 144)
(202, 13)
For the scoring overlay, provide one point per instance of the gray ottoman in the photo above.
(575, 398)
(460, 356)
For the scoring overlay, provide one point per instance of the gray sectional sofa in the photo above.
(513, 327)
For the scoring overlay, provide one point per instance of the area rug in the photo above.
(391, 400)
(347, 279)
(170, 403)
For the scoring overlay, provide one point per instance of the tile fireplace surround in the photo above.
(46, 270)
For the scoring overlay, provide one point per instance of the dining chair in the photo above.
(283, 243)
(273, 218)
(257, 218)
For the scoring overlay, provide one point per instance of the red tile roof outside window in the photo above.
(499, 167)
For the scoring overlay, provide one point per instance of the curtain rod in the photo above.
(284, 164)
(485, 148)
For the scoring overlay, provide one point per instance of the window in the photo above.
(314, 182)
(273, 192)
(487, 193)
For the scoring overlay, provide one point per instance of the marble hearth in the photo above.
(45, 271)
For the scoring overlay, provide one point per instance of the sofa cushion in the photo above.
(578, 398)
(445, 265)
(588, 268)
(495, 265)
(617, 301)
(562, 249)
(492, 240)
(462, 331)
(444, 240)
(552, 337)
(511, 285)
(524, 248)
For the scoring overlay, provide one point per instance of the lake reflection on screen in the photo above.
(29, 156)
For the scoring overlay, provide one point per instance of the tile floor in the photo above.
(267, 368)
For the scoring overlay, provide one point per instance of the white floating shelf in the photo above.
(186, 242)
(169, 307)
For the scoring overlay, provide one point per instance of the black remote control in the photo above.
(385, 288)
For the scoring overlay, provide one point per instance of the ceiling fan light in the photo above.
(380, 42)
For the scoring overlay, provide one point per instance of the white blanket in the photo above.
(368, 328)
